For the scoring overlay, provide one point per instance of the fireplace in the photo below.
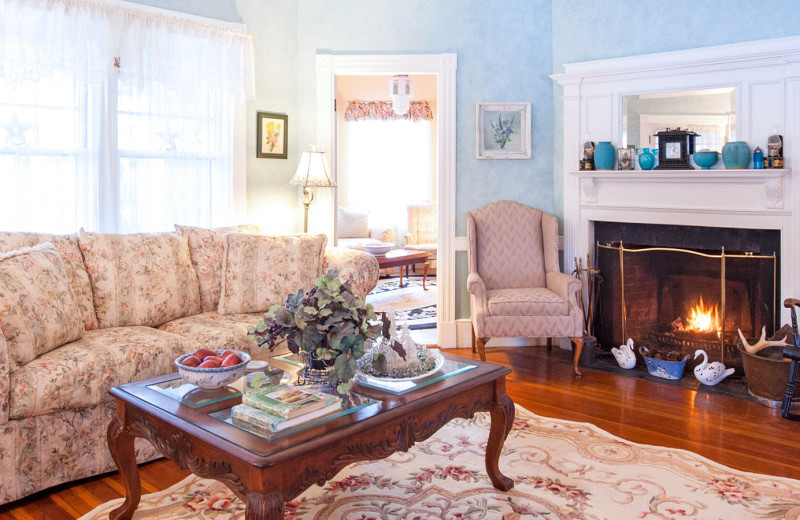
(684, 288)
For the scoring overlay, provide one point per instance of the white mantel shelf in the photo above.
(716, 174)
(726, 192)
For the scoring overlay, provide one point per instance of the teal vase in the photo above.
(646, 159)
(604, 155)
(736, 154)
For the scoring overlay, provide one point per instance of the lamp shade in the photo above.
(312, 171)
(400, 91)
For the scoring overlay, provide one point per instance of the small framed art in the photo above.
(503, 131)
(273, 135)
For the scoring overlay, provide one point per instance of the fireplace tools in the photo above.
(591, 277)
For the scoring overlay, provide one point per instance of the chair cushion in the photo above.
(80, 373)
(260, 270)
(140, 279)
(38, 311)
(207, 249)
(67, 246)
(534, 301)
(218, 331)
(352, 224)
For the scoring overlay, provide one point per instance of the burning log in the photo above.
(762, 343)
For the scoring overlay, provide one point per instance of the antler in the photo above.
(762, 343)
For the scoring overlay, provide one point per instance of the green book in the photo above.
(288, 402)
(265, 421)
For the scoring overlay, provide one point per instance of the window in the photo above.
(127, 135)
(389, 168)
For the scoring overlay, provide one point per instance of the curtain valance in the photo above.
(85, 37)
(382, 110)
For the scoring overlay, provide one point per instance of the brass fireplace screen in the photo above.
(671, 297)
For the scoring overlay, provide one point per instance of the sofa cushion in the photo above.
(207, 248)
(38, 311)
(352, 224)
(140, 279)
(218, 331)
(260, 270)
(80, 373)
(67, 246)
(534, 301)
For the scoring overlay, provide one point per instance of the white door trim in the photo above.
(444, 66)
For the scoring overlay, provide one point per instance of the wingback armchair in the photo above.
(515, 285)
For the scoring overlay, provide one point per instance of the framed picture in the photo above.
(503, 131)
(273, 135)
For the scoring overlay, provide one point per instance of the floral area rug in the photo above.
(411, 304)
(560, 469)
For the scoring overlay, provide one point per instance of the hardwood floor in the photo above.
(743, 435)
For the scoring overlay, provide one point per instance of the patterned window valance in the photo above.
(371, 110)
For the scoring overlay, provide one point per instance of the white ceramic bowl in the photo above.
(379, 249)
(210, 378)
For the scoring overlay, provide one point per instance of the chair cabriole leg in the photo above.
(577, 346)
(482, 348)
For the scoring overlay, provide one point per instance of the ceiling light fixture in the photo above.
(400, 91)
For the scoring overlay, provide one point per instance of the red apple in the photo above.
(209, 363)
(203, 353)
(191, 361)
(227, 352)
(231, 360)
(213, 358)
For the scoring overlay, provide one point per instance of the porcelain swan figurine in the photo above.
(625, 355)
(710, 373)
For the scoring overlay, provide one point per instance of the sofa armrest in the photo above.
(382, 234)
(565, 286)
(4, 380)
(357, 267)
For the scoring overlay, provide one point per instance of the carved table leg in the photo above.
(120, 443)
(502, 414)
(264, 507)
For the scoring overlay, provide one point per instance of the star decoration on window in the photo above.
(168, 138)
(15, 132)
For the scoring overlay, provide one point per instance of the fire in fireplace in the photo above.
(683, 298)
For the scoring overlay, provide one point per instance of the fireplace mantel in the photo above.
(766, 76)
(723, 191)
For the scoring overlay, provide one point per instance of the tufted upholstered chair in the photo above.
(515, 286)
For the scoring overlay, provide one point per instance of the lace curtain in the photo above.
(118, 118)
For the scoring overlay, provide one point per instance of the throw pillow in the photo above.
(259, 270)
(38, 310)
(352, 224)
(67, 246)
(140, 279)
(207, 249)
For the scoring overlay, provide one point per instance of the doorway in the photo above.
(330, 67)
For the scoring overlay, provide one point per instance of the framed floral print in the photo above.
(503, 131)
(273, 135)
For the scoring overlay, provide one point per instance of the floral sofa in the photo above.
(82, 313)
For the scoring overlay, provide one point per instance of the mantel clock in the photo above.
(675, 146)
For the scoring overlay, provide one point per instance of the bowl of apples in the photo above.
(211, 369)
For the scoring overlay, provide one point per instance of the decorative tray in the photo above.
(438, 362)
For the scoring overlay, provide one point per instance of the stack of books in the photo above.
(278, 407)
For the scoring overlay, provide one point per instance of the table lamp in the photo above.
(311, 172)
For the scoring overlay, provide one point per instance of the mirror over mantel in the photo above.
(711, 113)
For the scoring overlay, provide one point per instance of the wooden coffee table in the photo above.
(267, 472)
(405, 257)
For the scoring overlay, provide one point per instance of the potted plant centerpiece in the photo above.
(329, 323)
